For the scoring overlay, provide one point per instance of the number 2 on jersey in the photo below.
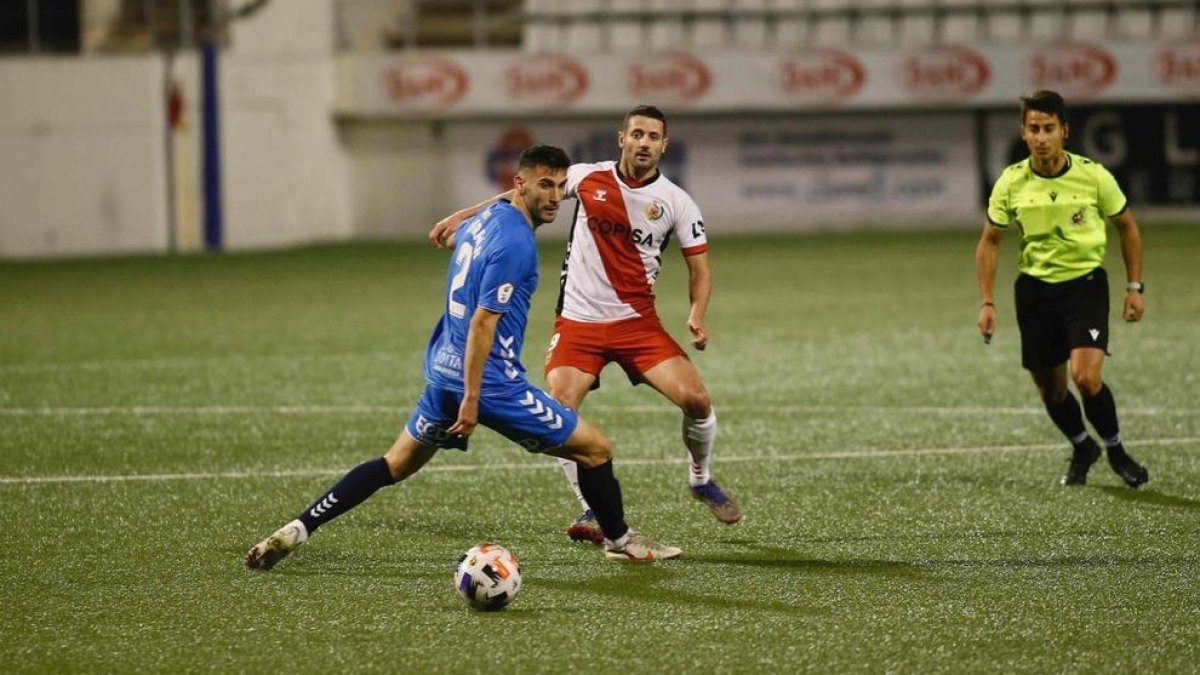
(463, 260)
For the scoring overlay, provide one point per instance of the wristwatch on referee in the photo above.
(1135, 286)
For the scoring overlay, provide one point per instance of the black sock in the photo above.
(359, 483)
(1069, 420)
(603, 493)
(1101, 411)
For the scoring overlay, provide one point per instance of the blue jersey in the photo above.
(495, 266)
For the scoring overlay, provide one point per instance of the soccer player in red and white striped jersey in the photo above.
(627, 212)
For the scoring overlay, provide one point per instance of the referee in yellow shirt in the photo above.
(1059, 202)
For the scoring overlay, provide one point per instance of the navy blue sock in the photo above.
(1069, 419)
(1101, 411)
(603, 493)
(353, 489)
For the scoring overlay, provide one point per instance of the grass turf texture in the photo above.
(899, 477)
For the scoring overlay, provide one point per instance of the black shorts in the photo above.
(1056, 318)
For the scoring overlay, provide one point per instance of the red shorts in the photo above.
(636, 344)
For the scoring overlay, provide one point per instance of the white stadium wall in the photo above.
(286, 176)
(318, 146)
(83, 149)
(398, 178)
(81, 156)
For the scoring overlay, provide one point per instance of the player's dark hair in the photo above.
(1045, 101)
(646, 111)
(549, 156)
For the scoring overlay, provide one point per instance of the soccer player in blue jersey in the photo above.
(1059, 203)
(474, 375)
(606, 310)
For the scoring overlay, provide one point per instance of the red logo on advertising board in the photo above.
(430, 82)
(1179, 66)
(946, 72)
(821, 74)
(546, 79)
(676, 76)
(1078, 69)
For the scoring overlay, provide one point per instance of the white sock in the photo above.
(1112, 442)
(698, 436)
(572, 470)
(303, 530)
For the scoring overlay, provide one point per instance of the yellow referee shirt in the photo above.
(1061, 218)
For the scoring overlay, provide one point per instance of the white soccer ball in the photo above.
(488, 577)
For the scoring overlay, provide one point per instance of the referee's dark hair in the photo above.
(644, 110)
(1045, 101)
(549, 156)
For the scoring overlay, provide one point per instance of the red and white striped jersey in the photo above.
(616, 243)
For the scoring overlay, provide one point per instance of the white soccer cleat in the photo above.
(639, 548)
(266, 553)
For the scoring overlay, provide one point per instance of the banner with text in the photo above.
(764, 174)
(447, 84)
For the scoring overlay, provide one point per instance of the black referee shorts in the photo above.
(1056, 318)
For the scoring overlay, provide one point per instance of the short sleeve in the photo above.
(575, 175)
(689, 228)
(998, 211)
(1109, 198)
(504, 268)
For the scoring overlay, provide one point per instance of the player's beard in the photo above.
(642, 163)
(545, 215)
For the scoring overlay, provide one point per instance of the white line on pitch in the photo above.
(141, 410)
(137, 410)
(538, 466)
(189, 361)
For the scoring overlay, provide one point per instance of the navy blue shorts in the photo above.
(1056, 318)
(527, 416)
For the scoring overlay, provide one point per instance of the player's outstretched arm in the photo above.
(986, 254)
(480, 334)
(443, 232)
(1131, 251)
(699, 291)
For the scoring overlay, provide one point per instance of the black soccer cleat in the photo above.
(1081, 461)
(1127, 468)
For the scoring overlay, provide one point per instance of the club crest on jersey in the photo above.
(655, 210)
(600, 196)
(504, 293)
(1078, 217)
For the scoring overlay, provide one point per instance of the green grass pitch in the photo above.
(159, 416)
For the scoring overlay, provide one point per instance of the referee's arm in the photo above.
(1131, 251)
(986, 254)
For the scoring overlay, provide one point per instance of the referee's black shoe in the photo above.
(1084, 457)
(1123, 465)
